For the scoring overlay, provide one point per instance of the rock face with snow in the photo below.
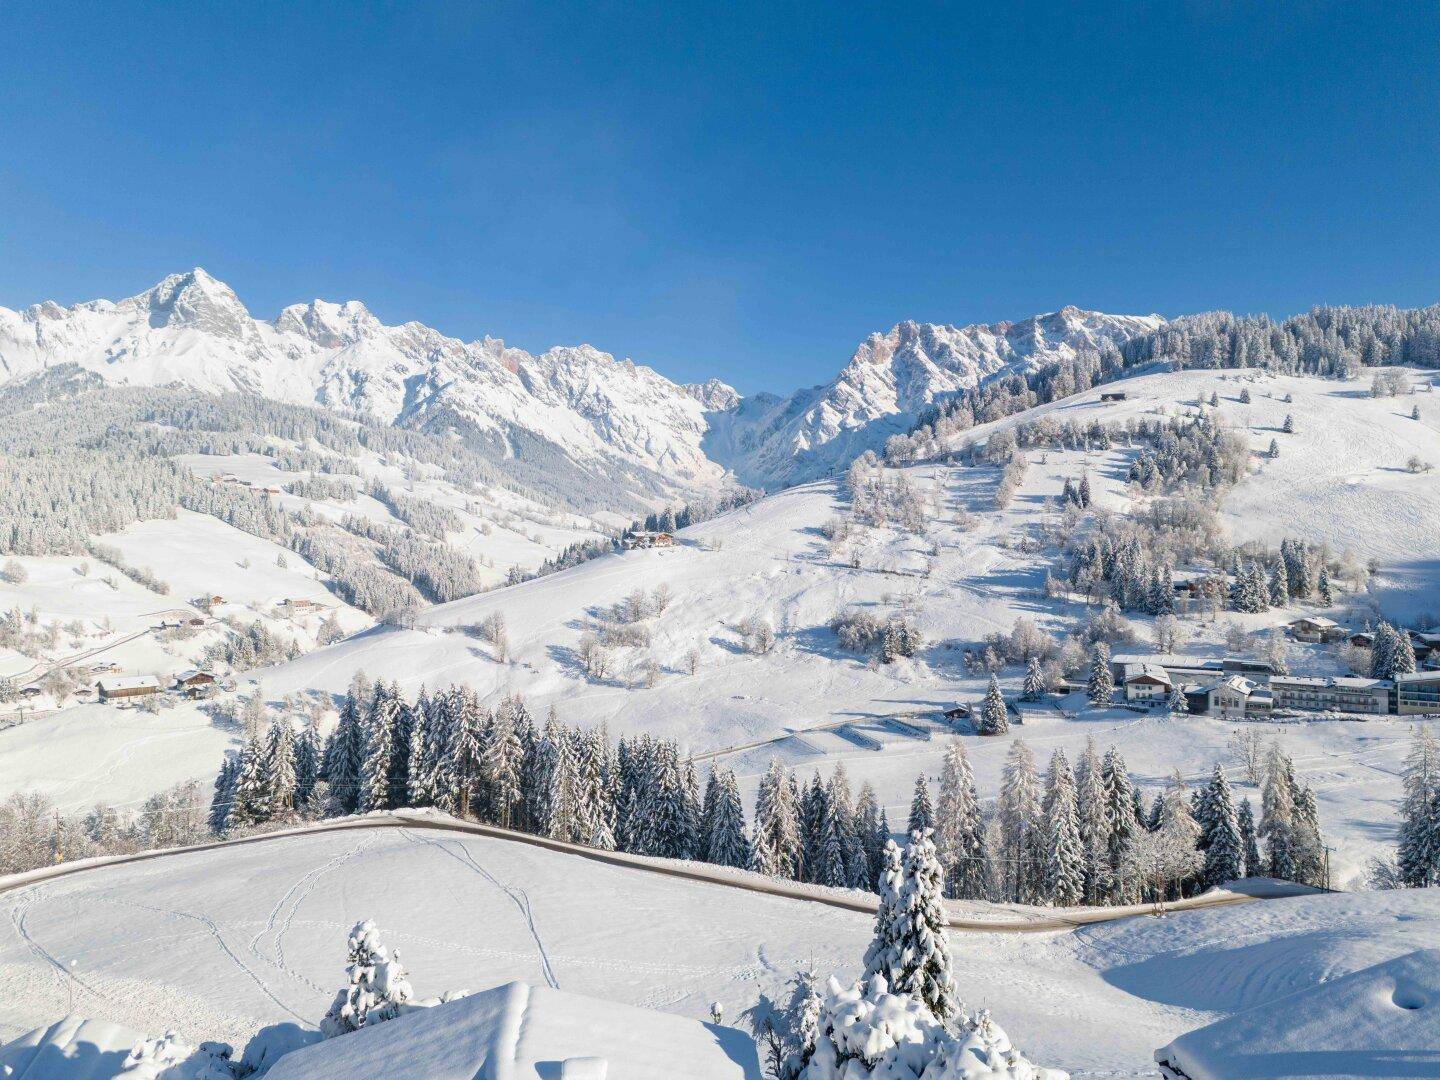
(192, 330)
(893, 376)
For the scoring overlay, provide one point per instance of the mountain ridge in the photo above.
(192, 329)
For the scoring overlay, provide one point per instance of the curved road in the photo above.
(1006, 920)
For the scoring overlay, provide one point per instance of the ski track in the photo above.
(295, 896)
(519, 897)
(210, 925)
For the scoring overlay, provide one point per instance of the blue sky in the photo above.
(734, 190)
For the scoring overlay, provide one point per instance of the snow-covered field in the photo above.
(219, 944)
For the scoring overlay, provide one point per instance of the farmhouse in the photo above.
(301, 606)
(648, 540)
(1146, 682)
(1315, 628)
(194, 678)
(128, 686)
(1114, 395)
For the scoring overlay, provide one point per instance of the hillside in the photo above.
(472, 913)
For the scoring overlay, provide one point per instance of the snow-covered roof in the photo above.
(1315, 620)
(1378, 1021)
(1169, 660)
(518, 1029)
(1322, 681)
(1418, 676)
(1146, 671)
(1241, 685)
(128, 682)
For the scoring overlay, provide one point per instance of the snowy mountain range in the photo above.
(599, 411)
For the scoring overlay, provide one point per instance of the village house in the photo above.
(1315, 628)
(128, 686)
(1113, 395)
(1236, 698)
(301, 606)
(193, 678)
(635, 540)
(1363, 639)
(1146, 683)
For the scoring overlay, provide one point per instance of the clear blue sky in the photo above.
(743, 191)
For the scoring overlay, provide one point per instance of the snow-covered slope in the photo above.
(192, 330)
(219, 944)
(893, 376)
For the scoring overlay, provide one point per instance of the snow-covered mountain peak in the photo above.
(198, 301)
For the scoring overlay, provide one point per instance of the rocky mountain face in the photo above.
(611, 417)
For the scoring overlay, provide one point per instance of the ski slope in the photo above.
(220, 943)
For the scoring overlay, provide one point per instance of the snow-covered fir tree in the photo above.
(345, 750)
(775, 850)
(922, 810)
(1419, 854)
(379, 728)
(910, 949)
(500, 761)
(1033, 688)
(994, 717)
(1101, 685)
(959, 832)
(1062, 881)
(283, 800)
(1094, 824)
(378, 987)
(250, 802)
(1249, 842)
(872, 840)
(1122, 824)
(725, 843)
(813, 807)
(1220, 837)
(224, 793)
(1020, 860)
(1277, 818)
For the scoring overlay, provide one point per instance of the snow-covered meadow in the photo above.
(220, 944)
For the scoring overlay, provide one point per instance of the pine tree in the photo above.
(852, 848)
(1021, 835)
(224, 794)
(775, 851)
(378, 987)
(922, 811)
(250, 803)
(1085, 490)
(1289, 426)
(1277, 818)
(1419, 854)
(345, 751)
(1220, 832)
(1383, 652)
(1404, 656)
(595, 800)
(1279, 586)
(1120, 816)
(307, 762)
(280, 772)
(1324, 588)
(1177, 702)
(1094, 824)
(872, 842)
(910, 949)
(1101, 686)
(1063, 872)
(374, 793)
(402, 734)
(500, 761)
(994, 717)
(1248, 842)
(959, 832)
(812, 829)
(725, 843)
(1274, 450)
(564, 779)
(1034, 686)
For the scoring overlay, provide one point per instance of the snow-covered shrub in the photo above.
(867, 1033)
(758, 635)
(171, 1058)
(378, 985)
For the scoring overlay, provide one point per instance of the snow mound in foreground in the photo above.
(516, 1028)
(1379, 1021)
